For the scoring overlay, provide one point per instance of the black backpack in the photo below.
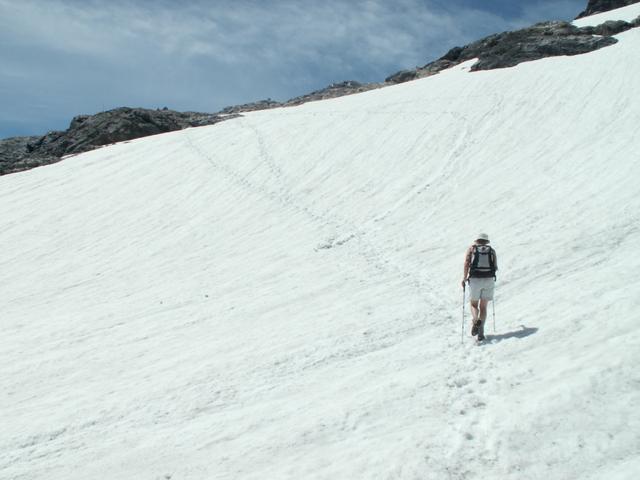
(482, 262)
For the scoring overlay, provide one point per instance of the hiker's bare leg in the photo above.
(483, 309)
(483, 316)
(474, 310)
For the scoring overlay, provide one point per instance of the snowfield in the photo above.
(277, 296)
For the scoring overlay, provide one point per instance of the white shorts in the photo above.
(481, 288)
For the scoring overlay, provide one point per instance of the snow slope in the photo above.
(277, 296)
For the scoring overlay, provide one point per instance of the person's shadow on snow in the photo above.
(523, 332)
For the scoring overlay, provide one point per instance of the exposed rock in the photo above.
(600, 6)
(402, 76)
(15, 155)
(547, 39)
(421, 72)
(612, 27)
(87, 132)
(250, 107)
(334, 90)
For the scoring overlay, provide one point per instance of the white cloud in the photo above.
(236, 32)
(88, 55)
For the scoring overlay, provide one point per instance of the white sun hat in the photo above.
(482, 236)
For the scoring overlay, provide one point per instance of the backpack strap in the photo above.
(492, 263)
(474, 257)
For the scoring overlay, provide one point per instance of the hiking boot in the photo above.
(475, 328)
(481, 338)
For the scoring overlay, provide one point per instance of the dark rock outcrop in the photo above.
(16, 155)
(250, 107)
(612, 27)
(87, 132)
(547, 39)
(600, 6)
(402, 76)
(334, 90)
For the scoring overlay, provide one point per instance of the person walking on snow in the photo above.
(480, 266)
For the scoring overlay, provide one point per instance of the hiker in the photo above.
(480, 266)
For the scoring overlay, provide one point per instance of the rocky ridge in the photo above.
(600, 6)
(16, 156)
(334, 90)
(88, 132)
(507, 49)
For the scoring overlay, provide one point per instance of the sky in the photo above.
(61, 58)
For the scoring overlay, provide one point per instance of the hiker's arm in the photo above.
(467, 265)
(495, 260)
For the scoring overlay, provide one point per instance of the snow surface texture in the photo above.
(277, 296)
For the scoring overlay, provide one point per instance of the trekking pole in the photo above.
(493, 308)
(464, 291)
